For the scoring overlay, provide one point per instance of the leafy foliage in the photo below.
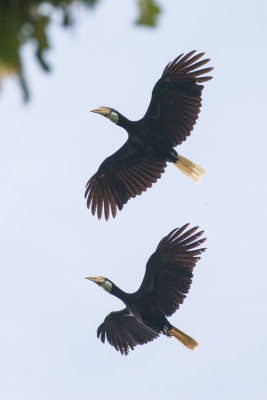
(23, 21)
(149, 12)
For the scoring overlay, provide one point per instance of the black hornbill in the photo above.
(166, 282)
(170, 117)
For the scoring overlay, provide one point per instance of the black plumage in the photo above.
(167, 280)
(170, 117)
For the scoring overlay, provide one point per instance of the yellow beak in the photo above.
(102, 110)
(96, 279)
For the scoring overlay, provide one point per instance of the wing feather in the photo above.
(123, 331)
(120, 177)
(176, 97)
(169, 270)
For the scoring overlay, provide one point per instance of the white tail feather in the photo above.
(190, 169)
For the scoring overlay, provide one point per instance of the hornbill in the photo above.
(170, 117)
(166, 282)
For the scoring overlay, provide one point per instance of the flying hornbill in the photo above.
(170, 117)
(166, 282)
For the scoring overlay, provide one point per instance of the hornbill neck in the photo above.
(117, 292)
(124, 122)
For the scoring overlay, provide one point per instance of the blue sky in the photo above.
(50, 241)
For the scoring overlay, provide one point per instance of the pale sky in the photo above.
(50, 241)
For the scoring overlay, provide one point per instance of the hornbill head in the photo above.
(107, 112)
(102, 282)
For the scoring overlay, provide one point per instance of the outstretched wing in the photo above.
(125, 174)
(124, 331)
(176, 97)
(169, 273)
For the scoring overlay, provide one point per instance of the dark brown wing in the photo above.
(125, 174)
(169, 270)
(176, 97)
(124, 331)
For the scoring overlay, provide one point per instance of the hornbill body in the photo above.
(170, 117)
(166, 282)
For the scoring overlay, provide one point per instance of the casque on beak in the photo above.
(96, 279)
(102, 110)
